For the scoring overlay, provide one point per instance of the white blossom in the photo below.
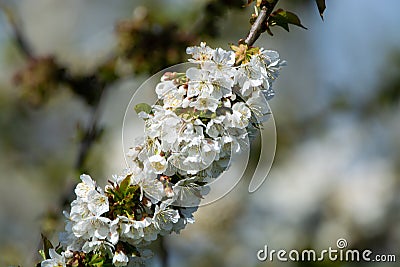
(165, 217)
(120, 259)
(164, 88)
(200, 53)
(93, 226)
(199, 82)
(97, 245)
(113, 235)
(220, 67)
(205, 102)
(97, 203)
(248, 77)
(55, 260)
(174, 98)
(82, 189)
(239, 117)
(158, 163)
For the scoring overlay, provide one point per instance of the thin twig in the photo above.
(91, 132)
(259, 25)
(19, 38)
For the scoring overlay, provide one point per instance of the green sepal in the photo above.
(143, 107)
(96, 261)
(46, 246)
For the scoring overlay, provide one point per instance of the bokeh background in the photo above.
(336, 173)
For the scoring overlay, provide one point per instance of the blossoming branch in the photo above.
(201, 118)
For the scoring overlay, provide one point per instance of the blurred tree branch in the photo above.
(19, 37)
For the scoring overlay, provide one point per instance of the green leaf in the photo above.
(96, 261)
(123, 186)
(321, 7)
(41, 252)
(131, 190)
(283, 18)
(142, 107)
(205, 114)
(46, 246)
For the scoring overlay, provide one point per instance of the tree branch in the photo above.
(19, 37)
(91, 133)
(259, 25)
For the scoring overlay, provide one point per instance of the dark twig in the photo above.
(91, 133)
(19, 37)
(259, 25)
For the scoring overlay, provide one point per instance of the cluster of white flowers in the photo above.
(207, 113)
(118, 222)
(201, 118)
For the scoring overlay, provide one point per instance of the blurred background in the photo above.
(69, 68)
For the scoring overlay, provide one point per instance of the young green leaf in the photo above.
(142, 107)
(321, 7)
(42, 254)
(125, 184)
(46, 246)
(283, 18)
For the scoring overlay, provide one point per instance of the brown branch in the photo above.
(259, 25)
